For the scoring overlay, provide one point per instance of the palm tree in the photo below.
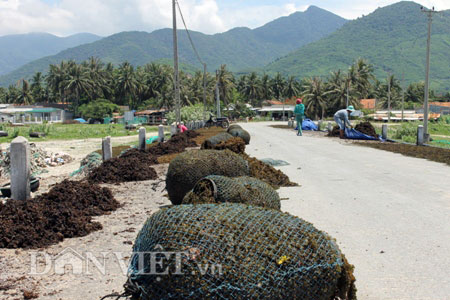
(225, 80)
(360, 74)
(382, 89)
(292, 88)
(278, 86)
(252, 88)
(127, 85)
(55, 78)
(77, 82)
(36, 87)
(25, 95)
(336, 88)
(315, 97)
(266, 87)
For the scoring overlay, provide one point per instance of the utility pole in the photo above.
(429, 13)
(348, 90)
(204, 91)
(176, 78)
(218, 95)
(403, 96)
(389, 98)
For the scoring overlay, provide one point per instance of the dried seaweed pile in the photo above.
(367, 129)
(189, 167)
(134, 166)
(335, 132)
(235, 144)
(252, 253)
(64, 212)
(431, 153)
(267, 173)
(176, 144)
(246, 190)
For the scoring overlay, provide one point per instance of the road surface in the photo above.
(389, 213)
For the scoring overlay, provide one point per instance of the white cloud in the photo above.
(105, 17)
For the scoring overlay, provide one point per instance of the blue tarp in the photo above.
(81, 120)
(308, 125)
(356, 135)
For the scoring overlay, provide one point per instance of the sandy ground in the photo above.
(114, 242)
(389, 214)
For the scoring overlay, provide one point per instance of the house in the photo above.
(31, 114)
(276, 111)
(368, 103)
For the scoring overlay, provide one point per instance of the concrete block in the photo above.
(420, 135)
(106, 148)
(20, 169)
(173, 129)
(142, 138)
(160, 133)
(384, 131)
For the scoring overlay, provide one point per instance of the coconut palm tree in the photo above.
(252, 89)
(315, 97)
(278, 86)
(225, 80)
(77, 83)
(266, 88)
(127, 84)
(36, 87)
(382, 92)
(25, 95)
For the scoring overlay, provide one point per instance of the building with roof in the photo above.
(31, 114)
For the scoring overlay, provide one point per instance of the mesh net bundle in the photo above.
(191, 166)
(243, 134)
(90, 162)
(250, 252)
(235, 144)
(234, 126)
(247, 190)
(214, 140)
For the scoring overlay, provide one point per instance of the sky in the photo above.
(106, 17)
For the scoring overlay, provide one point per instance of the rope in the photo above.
(189, 35)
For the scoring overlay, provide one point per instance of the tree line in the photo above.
(151, 86)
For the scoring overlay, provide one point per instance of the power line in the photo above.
(198, 57)
(189, 35)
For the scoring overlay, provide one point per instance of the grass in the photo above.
(407, 132)
(69, 131)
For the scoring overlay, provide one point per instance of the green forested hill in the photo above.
(18, 49)
(239, 48)
(392, 38)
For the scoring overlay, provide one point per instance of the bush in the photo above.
(98, 109)
(188, 113)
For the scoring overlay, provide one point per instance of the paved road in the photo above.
(389, 213)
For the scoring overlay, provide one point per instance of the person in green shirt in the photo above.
(299, 112)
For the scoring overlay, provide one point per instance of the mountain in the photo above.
(20, 49)
(392, 38)
(238, 48)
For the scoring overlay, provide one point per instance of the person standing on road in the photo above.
(341, 118)
(299, 112)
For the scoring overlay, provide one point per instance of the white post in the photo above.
(384, 131)
(160, 133)
(106, 148)
(330, 127)
(420, 135)
(173, 129)
(142, 134)
(20, 169)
